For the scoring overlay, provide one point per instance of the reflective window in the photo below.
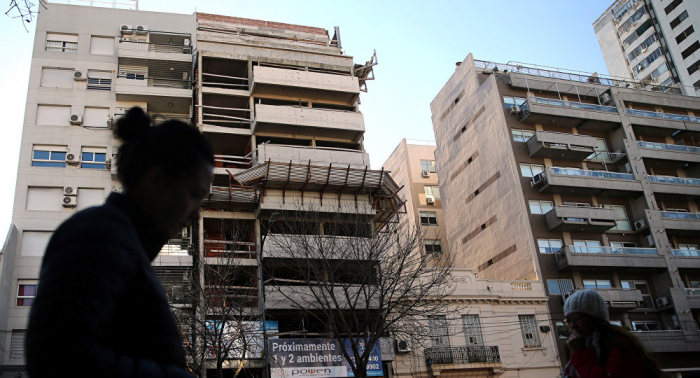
(522, 135)
(540, 207)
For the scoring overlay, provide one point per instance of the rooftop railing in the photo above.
(612, 250)
(462, 355)
(596, 174)
(675, 117)
(679, 215)
(686, 252)
(672, 147)
(674, 180)
(573, 104)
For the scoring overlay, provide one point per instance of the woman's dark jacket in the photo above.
(100, 310)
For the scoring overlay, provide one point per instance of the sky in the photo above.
(417, 44)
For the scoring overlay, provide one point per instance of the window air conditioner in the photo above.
(661, 302)
(79, 76)
(76, 119)
(126, 29)
(638, 225)
(141, 29)
(429, 200)
(72, 159)
(70, 201)
(605, 99)
(403, 346)
(69, 191)
(515, 109)
(425, 174)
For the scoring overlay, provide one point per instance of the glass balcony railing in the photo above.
(674, 180)
(571, 104)
(686, 252)
(597, 174)
(612, 250)
(676, 117)
(672, 147)
(679, 215)
(692, 291)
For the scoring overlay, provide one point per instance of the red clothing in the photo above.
(622, 362)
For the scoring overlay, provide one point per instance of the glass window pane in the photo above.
(48, 164)
(535, 207)
(536, 169)
(525, 170)
(88, 156)
(519, 101)
(92, 166)
(553, 287)
(589, 284)
(555, 244)
(100, 158)
(604, 284)
(509, 101)
(58, 156)
(546, 206)
(44, 155)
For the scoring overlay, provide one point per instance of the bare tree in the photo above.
(356, 281)
(24, 10)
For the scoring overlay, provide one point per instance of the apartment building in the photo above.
(577, 181)
(279, 104)
(653, 43)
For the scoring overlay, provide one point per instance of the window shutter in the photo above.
(17, 344)
(34, 242)
(53, 115)
(96, 117)
(102, 45)
(62, 37)
(57, 77)
(90, 197)
(48, 199)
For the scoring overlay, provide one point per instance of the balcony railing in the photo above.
(597, 174)
(692, 291)
(159, 47)
(674, 180)
(572, 104)
(177, 247)
(612, 250)
(675, 117)
(679, 215)
(463, 355)
(672, 147)
(686, 252)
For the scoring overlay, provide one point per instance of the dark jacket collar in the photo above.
(151, 239)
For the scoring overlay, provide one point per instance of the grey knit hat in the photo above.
(587, 302)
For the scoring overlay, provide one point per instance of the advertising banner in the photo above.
(316, 358)
(248, 331)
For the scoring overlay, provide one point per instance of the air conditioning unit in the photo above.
(126, 29)
(661, 302)
(538, 180)
(638, 225)
(644, 51)
(79, 76)
(76, 119)
(634, 24)
(69, 191)
(141, 29)
(403, 346)
(110, 122)
(515, 109)
(605, 99)
(72, 159)
(429, 200)
(186, 42)
(425, 174)
(70, 201)
(108, 164)
(566, 296)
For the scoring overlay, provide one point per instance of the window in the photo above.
(641, 66)
(587, 246)
(102, 45)
(597, 284)
(439, 337)
(647, 325)
(622, 223)
(428, 166)
(428, 218)
(528, 327)
(670, 7)
(432, 191)
(521, 135)
(99, 80)
(53, 115)
(560, 287)
(677, 21)
(471, 325)
(94, 158)
(562, 329)
(61, 42)
(57, 77)
(17, 343)
(540, 207)
(90, 197)
(549, 245)
(432, 247)
(511, 101)
(601, 153)
(691, 49)
(530, 170)
(616, 322)
(45, 199)
(687, 32)
(34, 243)
(26, 291)
(49, 156)
(693, 67)
(96, 117)
(635, 35)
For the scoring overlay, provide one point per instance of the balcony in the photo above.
(338, 123)
(304, 84)
(547, 111)
(580, 219)
(663, 120)
(665, 341)
(317, 155)
(553, 145)
(619, 300)
(670, 185)
(681, 223)
(583, 182)
(662, 151)
(693, 295)
(462, 357)
(305, 297)
(687, 258)
(583, 256)
(282, 246)
(159, 51)
(154, 78)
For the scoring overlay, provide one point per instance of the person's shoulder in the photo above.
(100, 224)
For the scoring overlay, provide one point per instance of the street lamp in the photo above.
(261, 295)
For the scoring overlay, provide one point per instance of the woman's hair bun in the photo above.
(132, 125)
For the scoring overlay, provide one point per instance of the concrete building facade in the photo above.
(653, 43)
(577, 182)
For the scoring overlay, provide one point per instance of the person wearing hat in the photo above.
(598, 348)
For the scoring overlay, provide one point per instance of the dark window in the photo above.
(677, 21)
(681, 37)
(691, 49)
(432, 247)
(697, 84)
(428, 218)
(483, 226)
(693, 67)
(672, 6)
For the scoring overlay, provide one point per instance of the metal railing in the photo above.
(163, 47)
(177, 247)
(686, 252)
(675, 117)
(612, 250)
(692, 291)
(674, 180)
(572, 104)
(587, 173)
(664, 146)
(679, 215)
(462, 355)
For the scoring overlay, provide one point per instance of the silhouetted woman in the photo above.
(100, 310)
